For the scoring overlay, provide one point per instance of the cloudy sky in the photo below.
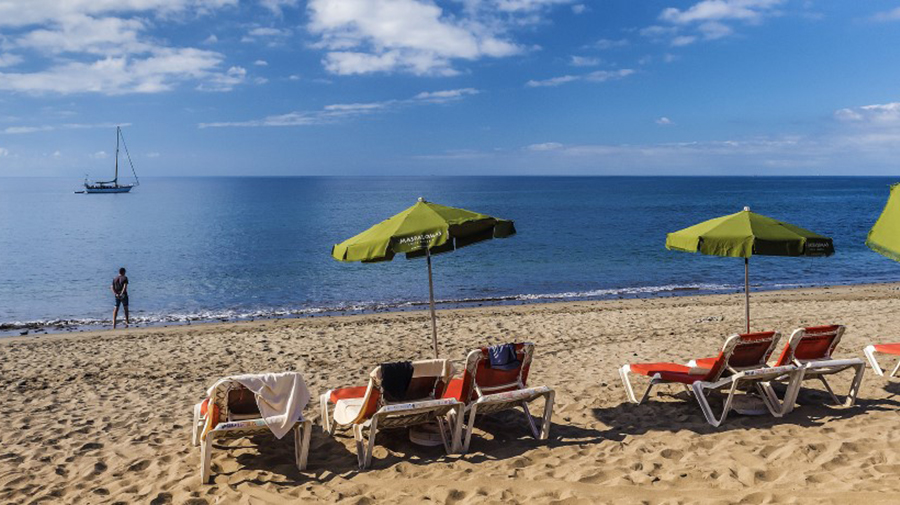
(346, 87)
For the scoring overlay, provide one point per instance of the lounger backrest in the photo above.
(811, 344)
(721, 363)
(480, 379)
(429, 380)
(752, 350)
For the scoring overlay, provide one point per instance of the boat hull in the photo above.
(107, 189)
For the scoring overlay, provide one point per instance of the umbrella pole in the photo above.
(747, 291)
(431, 302)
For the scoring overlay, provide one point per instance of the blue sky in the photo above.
(425, 87)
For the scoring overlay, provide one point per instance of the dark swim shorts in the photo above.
(122, 300)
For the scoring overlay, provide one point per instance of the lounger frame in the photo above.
(238, 426)
(499, 397)
(821, 367)
(870, 351)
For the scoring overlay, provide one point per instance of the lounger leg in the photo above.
(894, 372)
(360, 446)
(442, 428)
(705, 407)
(855, 385)
(548, 413)
(373, 432)
(459, 415)
(302, 433)
(470, 426)
(327, 425)
(195, 428)
(834, 397)
(534, 431)
(869, 351)
(205, 460)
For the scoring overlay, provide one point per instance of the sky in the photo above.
(453, 87)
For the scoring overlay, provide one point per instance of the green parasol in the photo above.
(744, 234)
(884, 237)
(422, 230)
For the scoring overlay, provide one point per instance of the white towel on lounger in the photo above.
(281, 398)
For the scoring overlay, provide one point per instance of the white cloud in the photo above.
(4, 152)
(891, 15)
(596, 76)
(683, 40)
(585, 61)
(608, 75)
(294, 77)
(152, 154)
(708, 18)
(56, 154)
(887, 114)
(224, 81)
(342, 111)
(553, 81)
(717, 10)
(101, 46)
(261, 63)
(446, 95)
(664, 121)
(100, 155)
(610, 43)
(20, 130)
(276, 6)
(417, 36)
(120, 75)
(9, 59)
(546, 146)
(579, 8)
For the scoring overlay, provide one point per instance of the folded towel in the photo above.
(503, 357)
(395, 379)
(281, 398)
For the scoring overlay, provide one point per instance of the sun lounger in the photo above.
(812, 348)
(740, 365)
(486, 390)
(220, 417)
(893, 349)
(368, 408)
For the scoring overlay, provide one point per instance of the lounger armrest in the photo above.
(243, 425)
(834, 363)
(517, 395)
(417, 406)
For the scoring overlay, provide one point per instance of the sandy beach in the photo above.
(105, 417)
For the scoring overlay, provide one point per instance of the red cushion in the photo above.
(345, 393)
(203, 407)
(706, 362)
(888, 348)
(683, 377)
(454, 389)
(650, 369)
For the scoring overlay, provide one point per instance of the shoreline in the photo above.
(879, 290)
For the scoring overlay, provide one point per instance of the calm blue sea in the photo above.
(200, 249)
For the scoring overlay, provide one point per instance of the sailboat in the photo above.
(113, 186)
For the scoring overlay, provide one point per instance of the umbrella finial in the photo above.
(746, 208)
(422, 199)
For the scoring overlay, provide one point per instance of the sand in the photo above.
(105, 417)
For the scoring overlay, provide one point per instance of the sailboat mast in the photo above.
(118, 134)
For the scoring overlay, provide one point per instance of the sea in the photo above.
(223, 249)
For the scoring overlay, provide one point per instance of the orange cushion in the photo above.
(654, 368)
(706, 362)
(203, 407)
(454, 389)
(346, 393)
(888, 348)
(683, 377)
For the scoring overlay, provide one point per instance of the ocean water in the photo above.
(206, 249)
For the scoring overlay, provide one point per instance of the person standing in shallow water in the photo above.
(120, 290)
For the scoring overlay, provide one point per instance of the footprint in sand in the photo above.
(90, 447)
(140, 466)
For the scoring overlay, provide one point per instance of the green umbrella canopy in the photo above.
(884, 237)
(746, 233)
(439, 227)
